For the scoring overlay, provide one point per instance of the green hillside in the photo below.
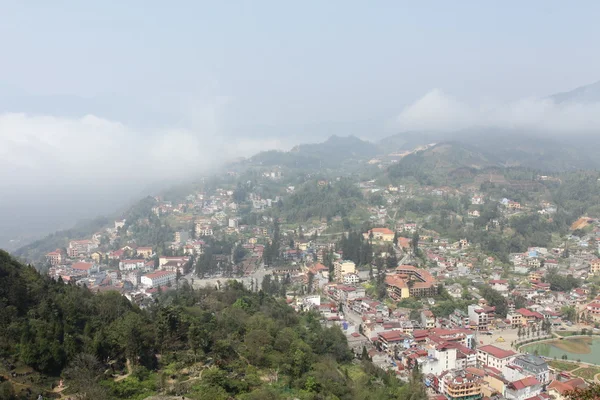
(203, 343)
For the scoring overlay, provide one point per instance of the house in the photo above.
(351, 279)
(494, 357)
(343, 267)
(130, 265)
(523, 389)
(380, 234)
(473, 214)
(427, 319)
(477, 200)
(558, 389)
(83, 267)
(145, 252)
(158, 278)
(480, 316)
(529, 317)
(97, 257)
(595, 266)
(501, 285)
(593, 309)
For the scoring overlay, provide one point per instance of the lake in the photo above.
(585, 349)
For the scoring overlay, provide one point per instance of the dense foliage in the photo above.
(247, 345)
(335, 199)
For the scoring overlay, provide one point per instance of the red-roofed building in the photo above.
(529, 317)
(382, 234)
(495, 357)
(523, 389)
(54, 257)
(83, 267)
(558, 389)
(158, 278)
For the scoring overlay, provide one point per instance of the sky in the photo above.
(116, 94)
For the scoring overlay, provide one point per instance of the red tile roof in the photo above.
(496, 351)
(82, 266)
(525, 382)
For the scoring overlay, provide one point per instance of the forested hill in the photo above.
(204, 344)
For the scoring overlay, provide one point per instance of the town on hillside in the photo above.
(479, 283)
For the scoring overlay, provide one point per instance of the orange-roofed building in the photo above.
(380, 234)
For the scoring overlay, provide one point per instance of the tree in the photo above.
(83, 375)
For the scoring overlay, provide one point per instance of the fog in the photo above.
(438, 111)
(56, 170)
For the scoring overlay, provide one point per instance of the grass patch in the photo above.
(355, 372)
(563, 365)
(567, 333)
(587, 373)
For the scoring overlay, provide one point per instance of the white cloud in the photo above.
(94, 151)
(439, 112)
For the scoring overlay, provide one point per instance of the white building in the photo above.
(158, 278)
(130, 265)
(351, 279)
(494, 357)
(342, 268)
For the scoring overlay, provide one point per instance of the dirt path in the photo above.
(129, 370)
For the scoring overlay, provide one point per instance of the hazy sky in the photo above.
(95, 93)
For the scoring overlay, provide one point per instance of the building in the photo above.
(83, 267)
(595, 266)
(460, 385)
(409, 281)
(494, 357)
(559, 389)
(480, 316)
(380, 234)
(158, 278)
(145, 252)
(80, 247)
(351, 279)
(529, 317)
(528, 365)
(130, 265)
(427, 319)
(343, 267)
(523, 389)
(54, 257)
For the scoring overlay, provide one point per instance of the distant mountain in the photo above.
(509, 148)
(331, 153)
(584, 94)
(438, 163)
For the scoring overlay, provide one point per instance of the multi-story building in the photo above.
(343, 267)
(523, 389)
(130, 265)
(54, 257)
(380, 234)
(158, 278)
(595, 266)
(351, 279)
(459, 318)
(460, 385)
(80, 247)
(494, 357)
(409, 281)
(145, 252)
(480, 316)
(427, 319)
(526, 365)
